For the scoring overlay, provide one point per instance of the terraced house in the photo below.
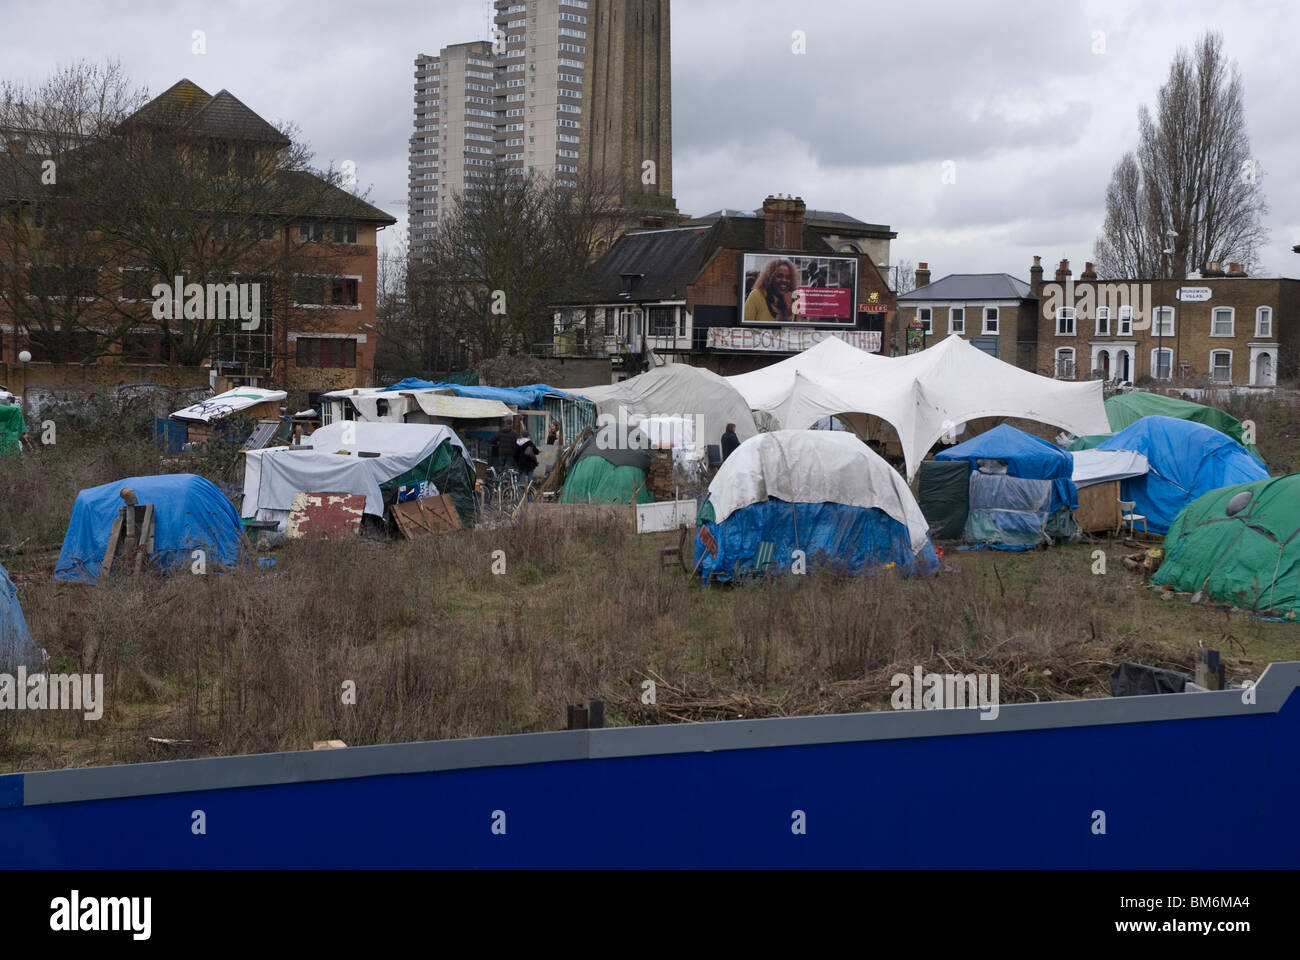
(192, 232)
(1220, 326)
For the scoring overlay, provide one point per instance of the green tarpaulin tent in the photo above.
(609, 468)
(12, 426)
(1125, 409)
(1240, 545)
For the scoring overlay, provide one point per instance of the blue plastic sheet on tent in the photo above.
(1186, 459)
(16, 645)
(1026, 456)
(190, 513)
(849, 540)
(526, 397)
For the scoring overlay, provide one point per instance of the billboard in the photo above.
(792, 289)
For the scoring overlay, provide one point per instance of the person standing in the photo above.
(526, 454)
(729, 441)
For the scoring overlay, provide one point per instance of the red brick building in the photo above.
(687, 294)
(309, 265)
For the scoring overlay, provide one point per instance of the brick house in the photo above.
(1220, 325)
(681, 294)
(995, 312)
(314, 263)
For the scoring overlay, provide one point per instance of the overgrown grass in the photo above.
(437, 645)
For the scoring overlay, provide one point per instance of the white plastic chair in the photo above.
(1126, 508)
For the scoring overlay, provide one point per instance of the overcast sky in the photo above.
(1012, 93)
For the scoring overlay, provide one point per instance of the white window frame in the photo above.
(952, 322)
(1124, 326)
(1157, 321)
(1155, 364)
(1062, 314)
(1260, 313)
(997, 322)
(927, 322)
(1103, 314)
(1212, 355)
(1057, 359)
(1232, 321)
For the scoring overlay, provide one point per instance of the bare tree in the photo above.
(904, 277)
(502, 259)
(1192, 173)
(108, 202)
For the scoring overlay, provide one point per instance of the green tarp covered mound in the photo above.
(11, 428)
(609, 467)
(1126, 409)
(1239, 545)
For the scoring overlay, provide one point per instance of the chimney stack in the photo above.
(783, 223)
(1063, 271)
(1036, 277)
(1212, 269)
(922, 275)
(1236, 270)
(1089, 271)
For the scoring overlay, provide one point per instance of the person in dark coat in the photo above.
(503, 446)
(526, 454)
(729, 441)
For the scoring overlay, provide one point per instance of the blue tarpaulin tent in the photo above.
(190, 513)
(1030, 502)
(1025, 455)
(16, 645)
(1187, 460)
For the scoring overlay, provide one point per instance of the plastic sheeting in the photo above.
(1007, 509)
(1249, 558)
(814, 466)
(529, 397)
(678, 390)
(596, 480)
(190, 513)
(943, 494)
(1126, 409)
(846, 539)
(1185, 460)
(16, 645)
(12, 426)
(1025, 456)
(272, 477)
(1099, 466)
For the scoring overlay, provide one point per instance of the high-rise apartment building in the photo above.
(455, 131)
(574, 89)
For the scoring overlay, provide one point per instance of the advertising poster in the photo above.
(793, 289)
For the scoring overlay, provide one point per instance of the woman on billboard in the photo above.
(773, 298)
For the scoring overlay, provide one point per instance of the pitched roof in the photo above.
(822, 218)
(972, 286)
(329, 201)
(189, 108)
(665, 260)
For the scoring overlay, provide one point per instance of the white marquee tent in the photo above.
(922, 396)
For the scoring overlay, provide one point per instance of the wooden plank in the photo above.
(426, 517)
(107, 566)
